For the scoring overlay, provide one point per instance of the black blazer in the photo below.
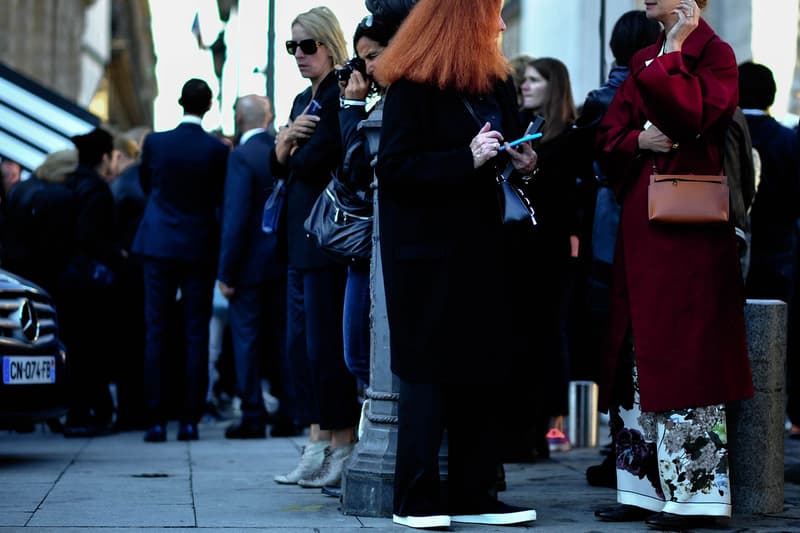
(183, 172)
(309, 171)
(443, 247)
(247, 255)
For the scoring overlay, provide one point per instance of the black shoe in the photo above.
(603, 475)
(55, 425)
(500, 482)
(188, 432)
(246, 430)
(622, 513)
(156, 433)
(334, 492)
(677, 522)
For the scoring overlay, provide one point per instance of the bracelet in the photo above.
(345, 103)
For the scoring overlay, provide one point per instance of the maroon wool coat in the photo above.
(678, 287)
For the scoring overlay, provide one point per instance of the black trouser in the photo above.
(469, 414)
(85, 324)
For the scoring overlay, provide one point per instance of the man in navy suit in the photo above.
(250, 275)
(183, 171)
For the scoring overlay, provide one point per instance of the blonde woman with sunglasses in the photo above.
(307, 150)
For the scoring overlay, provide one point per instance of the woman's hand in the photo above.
(286, 142)
(485, 145)
(523, 158)
(654, 140)
(355, 88)
(688, 19)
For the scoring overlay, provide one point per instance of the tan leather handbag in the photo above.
(688, 199)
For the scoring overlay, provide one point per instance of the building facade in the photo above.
(96, 53)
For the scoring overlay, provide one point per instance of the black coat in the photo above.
(40, 225)
(775, 210)
(95, 218)
(443, 248)
(248, 256)
(309, 171)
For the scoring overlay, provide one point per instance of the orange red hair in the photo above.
(451, 44)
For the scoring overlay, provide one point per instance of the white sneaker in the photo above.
(329, 473)
(310, 461)
(503, 515)
(422, 522)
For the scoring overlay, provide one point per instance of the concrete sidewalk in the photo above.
(120, 483)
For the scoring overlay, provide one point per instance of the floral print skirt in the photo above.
(673, 461)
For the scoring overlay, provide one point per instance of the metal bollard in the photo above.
(582, 419)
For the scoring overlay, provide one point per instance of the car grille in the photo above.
(27, 320)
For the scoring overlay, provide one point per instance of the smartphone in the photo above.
(314, 108)
(531, 133)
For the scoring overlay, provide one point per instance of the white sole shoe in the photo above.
(497, 519)
(422, 522)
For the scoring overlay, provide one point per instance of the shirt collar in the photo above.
(246, 136)
(192, 119)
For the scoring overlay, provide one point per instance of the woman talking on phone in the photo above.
(448, 110)
(677, 351)
(306, 152)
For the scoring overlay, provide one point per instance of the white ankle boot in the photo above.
(310, 461)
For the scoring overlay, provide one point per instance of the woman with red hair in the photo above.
(446, 255)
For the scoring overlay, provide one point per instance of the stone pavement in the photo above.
(119, 483)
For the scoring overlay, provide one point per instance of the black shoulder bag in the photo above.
(515, 206)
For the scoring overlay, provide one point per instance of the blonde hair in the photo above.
(323, 25)
(126, 145)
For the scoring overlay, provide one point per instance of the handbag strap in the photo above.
(503, 175)
(471, 111)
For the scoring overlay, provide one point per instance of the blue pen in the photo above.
(521, 140)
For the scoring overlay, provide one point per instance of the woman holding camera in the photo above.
(355, 175)
(445, 255)
(306, 152)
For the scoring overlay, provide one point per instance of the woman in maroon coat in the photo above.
(678, 294)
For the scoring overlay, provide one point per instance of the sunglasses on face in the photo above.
(308, 46)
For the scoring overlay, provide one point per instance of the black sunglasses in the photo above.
(308, 46)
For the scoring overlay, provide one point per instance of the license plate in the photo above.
(22, 370)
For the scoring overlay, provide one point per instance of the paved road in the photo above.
(119, 483)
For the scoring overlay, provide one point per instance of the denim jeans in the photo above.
(356, 322)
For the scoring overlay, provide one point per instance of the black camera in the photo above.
(343, 74)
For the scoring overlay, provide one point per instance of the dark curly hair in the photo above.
(390, 11)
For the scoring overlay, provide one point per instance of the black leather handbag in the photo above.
(514, 204)
(340, 222)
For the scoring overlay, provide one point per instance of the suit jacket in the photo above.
(183, 171)
(678, 288)
(443, 246)
(247, 256)
(309, 171)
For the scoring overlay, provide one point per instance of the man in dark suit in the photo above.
(183, 171)
(775, 216)
(249, 273)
